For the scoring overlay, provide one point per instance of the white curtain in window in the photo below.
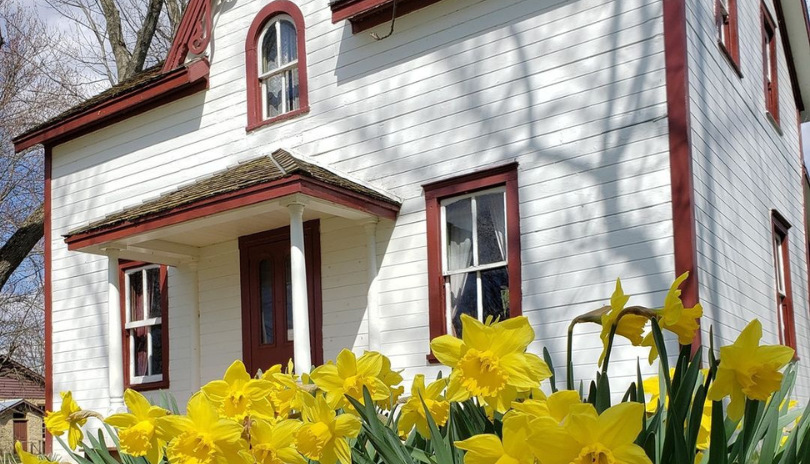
(459, 256)
(496, 211)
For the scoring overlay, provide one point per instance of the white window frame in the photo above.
(477, 268)
(130, 325)
(264, 77)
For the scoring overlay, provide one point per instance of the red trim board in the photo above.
(48, 295)
(680, 151)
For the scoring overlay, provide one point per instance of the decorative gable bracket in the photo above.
(193, 35)
(365, 14)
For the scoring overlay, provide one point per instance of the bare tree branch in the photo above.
(14, 251)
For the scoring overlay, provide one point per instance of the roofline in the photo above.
(25, 369)
(795, 47)
(171, 86)
(254, 194)
(22, 401)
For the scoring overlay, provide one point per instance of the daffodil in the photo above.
(674, 317)
(748, 370)
(272, 442)
(137, 429)
(68, 419)
(348, 377)
(28, 458)
(323, 436)
(392, 380)
(557, 406)
(490, 361)
(238, 395)
(284, 391)
(631, 326)
(203, 436)
(652, 387)
(489, 449)
(413, 411)
(586, 437)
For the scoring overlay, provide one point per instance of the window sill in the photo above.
(141, 387)
(279, 118)
(774, 123)
(731, 61)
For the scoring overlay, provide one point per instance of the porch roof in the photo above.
(252, 182)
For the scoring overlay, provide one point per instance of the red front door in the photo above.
(267, 325)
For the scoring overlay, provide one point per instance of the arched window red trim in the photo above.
(254, 96)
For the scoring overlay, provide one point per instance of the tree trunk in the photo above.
(17, 247)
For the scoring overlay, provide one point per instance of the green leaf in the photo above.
(553, 379)
(718, 450)
(663, 360)
(441, 445)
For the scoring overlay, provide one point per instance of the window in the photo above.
(769, 64)
(726, 20)
(276, 65)
(145, 306)
(473, 248)
(781, 265)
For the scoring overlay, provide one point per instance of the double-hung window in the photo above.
(276, 67)
(145, 318)
(769, 64)
(726, 23)
(781, 267)
(473, 248)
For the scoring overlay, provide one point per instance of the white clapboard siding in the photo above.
(743, 168)
(572, 91)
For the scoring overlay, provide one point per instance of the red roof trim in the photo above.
(173, 85)
(193, 34)
(232, 200)
(365, 14)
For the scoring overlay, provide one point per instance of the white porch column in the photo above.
(302, 354)
(115, 344)
(372, 311)
(194, 316)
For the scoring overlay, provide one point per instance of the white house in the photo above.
(285, 175)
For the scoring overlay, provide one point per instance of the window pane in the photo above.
(463, 299)
(269, 49)
(141, 353)
(289, 47)
(153, 289)
(288, 285)
(272, 89)
(495, 293)
(291, 87)
(136, 296)
(266, 300)
(491, 216)
(156, 364)
(458, 217)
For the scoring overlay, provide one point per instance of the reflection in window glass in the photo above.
(153, 288)
(288, 285)
(266, 300)
(279, 68)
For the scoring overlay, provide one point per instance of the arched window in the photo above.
(276, 65)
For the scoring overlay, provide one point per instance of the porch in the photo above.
(243, 250)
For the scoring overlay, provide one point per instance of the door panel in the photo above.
(267, 324)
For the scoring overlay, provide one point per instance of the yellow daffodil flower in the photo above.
(323, 436)
(413, 411)
(272, 442)
(392, 380)
(556, 406)
(283, 395)
(587, 437)
(489, 449)
(68, 419)
(631, 326)
(28, 458)
(490, 361)
(652, 387)
(137, 429)
(348, 377)
(238, 395)
(748, 370)
(203, 436)
(675, 318)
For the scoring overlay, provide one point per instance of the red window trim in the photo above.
(123, 266)
(506, 176)
(771, 88)
(727, 27)
(254, 97)
(784, 305)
